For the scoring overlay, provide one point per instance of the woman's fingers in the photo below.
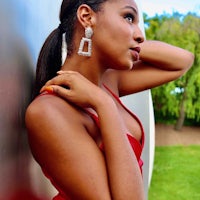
(62, 72)
(55, 89)
(48, 89)
(72, 86)
(63, 79)
(62, 92)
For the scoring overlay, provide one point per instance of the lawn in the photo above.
(176, 174)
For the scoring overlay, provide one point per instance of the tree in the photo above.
(180, 98)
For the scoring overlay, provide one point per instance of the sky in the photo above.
(152, 7)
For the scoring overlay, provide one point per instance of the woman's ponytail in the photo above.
(49, 60)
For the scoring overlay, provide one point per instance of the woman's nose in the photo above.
(138, 35)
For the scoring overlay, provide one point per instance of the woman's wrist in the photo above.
(103, 101)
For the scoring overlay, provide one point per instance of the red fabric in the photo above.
(59, 197)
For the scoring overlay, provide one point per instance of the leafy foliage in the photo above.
(182, 31)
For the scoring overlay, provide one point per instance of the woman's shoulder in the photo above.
(50, 108)
(45, 103)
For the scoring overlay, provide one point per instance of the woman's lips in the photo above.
(135, 53)
(137, 49)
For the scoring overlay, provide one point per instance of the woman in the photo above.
(85, 140)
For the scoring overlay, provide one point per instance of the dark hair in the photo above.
(49, 60)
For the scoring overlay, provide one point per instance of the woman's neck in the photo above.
(85, 66)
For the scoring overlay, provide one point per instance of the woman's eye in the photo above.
(129, 18)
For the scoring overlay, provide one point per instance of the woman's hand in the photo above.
(75, 88)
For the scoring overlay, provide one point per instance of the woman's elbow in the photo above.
(183, 65)
(187, 61)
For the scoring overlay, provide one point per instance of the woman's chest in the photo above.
(131, 124)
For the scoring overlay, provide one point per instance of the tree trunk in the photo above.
(181, 118)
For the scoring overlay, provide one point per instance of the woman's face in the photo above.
(117, 33)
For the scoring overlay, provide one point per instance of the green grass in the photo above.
(176, 174)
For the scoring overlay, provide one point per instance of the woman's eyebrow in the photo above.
(132, 8)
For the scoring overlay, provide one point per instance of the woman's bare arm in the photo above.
(65, 150)
(159, 63)
(123, 169)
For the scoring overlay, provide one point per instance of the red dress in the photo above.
(136, 145)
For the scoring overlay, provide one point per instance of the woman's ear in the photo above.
(85, 15)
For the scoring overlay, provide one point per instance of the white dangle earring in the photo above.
(86, 41)
(64, 49)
